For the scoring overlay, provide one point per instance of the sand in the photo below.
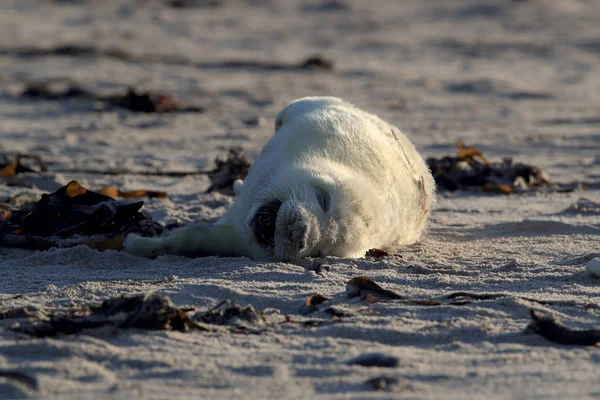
(512, 78)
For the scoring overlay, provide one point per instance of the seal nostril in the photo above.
(264, 222)
(323, 198)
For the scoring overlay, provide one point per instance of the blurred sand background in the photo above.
(512, 78)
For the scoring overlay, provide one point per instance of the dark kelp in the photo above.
(545, 325)
(311, 303)
(113, 192)
(460, 299)
(74, 215)
(146, 311)
(226, 172)
(132, 99)
(222, 176)
(470, 170)
(313, 62)
(238, 318)
(376, 253)
(14, 164)
(20, 377)
(364, 287)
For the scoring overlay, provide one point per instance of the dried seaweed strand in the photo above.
(494, 296)
(546, 326)
(20, 377)
(82, 50)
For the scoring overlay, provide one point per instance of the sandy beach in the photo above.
(514, 79)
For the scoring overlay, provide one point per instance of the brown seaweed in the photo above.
(470, 170)
(239, 319)
(376, 253)
(365, 288)
(222, 176)
(146, 311)
(74, 211)
(226, 172)
(546, 326)
(313, 62)
(311, 303)
(20, 377)
(113, 192)
(14, 164)
(461, 296)
(132, 99)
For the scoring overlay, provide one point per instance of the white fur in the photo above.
(380, 190)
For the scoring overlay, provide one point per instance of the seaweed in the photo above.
(145, 311)
(313, 62)
(461, 296)
(132, 99)
(226, 172)
(311, 303)
(376, 253)
(546, 326)
(239, 319)
(14, 165)
(365, 288)
(20, 377)
(470, 170)
(113, 192)
(73, 215)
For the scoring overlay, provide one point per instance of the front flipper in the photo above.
(197, 240)
(237, 187)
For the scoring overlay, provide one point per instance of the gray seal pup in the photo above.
(333, 180)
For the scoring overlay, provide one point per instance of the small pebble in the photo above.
(255, 121)
(374, 360)
(593, 267)
(382, 383)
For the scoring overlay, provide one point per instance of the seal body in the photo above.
(333, 180)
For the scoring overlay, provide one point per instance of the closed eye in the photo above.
(323, 199)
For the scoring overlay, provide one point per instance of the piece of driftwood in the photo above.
(546, 326)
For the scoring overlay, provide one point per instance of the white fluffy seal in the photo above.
(333, 180)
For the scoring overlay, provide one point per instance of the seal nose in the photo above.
(297, 232)
(264, 222)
